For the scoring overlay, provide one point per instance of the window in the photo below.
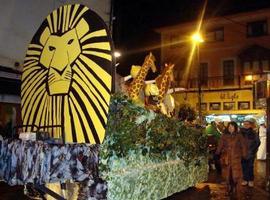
(243, 105)
(203, 106)
(215, 106)
(265, 65)
(214, 35)
(257, 28)
(204, 74)
(228, 106)
(261, 89)
(256, 67)
(228, 72)
(247, 68)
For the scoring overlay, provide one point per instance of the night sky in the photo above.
(135, 21)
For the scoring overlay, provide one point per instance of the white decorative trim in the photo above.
(10, 75)
(6, 98)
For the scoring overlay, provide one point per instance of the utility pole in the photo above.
(268, 143)
(199, 84)
(267, 92)
(111, 32)
(196, 40)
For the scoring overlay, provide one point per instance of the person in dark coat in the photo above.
(253, 143)
(232, 148)
(213, 137)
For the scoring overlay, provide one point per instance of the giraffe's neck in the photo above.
(162, 90)
(138, 82)
(163, 84)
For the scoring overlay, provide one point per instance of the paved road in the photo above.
(215, 188)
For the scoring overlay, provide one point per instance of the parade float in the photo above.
(76, 132)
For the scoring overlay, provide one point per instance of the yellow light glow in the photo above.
(248, 78)
(193, 46)
(197, 38)
(117, 54)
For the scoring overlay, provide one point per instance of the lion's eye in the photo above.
(51, 48)
(70, 41)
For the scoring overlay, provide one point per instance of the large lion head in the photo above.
(66, 80)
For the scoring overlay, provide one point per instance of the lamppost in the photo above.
(116, 55)
(197, 39)
(268, 144)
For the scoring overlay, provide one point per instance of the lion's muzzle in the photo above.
(59, 80)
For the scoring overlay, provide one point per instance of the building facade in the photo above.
(233, 58)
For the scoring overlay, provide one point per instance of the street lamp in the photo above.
(196, 40)
(116, 55)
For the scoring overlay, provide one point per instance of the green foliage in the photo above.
(134, 129)
(147, 155)
(154, 181)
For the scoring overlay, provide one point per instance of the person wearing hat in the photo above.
(253, 143)
(261, 154)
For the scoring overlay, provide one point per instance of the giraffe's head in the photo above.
(169, 71)
(150, 61)
(166, 77)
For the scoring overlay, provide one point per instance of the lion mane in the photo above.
(66, 80)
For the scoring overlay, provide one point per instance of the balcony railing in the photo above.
(220, 82)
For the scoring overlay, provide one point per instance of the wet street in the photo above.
(213, 189)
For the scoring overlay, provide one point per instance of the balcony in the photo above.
(221, 82)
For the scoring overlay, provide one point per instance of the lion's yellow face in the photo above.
(57, 56)
(66, 81)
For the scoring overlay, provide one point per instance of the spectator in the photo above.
(212, 130)
(232, 148)
(213, 137)
(261, 155)
(253, 142)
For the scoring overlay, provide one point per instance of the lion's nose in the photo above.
(60, 71)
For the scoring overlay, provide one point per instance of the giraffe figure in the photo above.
(138, 82)
(163, 82)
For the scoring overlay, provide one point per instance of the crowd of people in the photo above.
(236, 150)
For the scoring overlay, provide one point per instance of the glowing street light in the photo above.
(197, 38)
(117, 54)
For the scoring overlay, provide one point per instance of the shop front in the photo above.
(227, 105)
